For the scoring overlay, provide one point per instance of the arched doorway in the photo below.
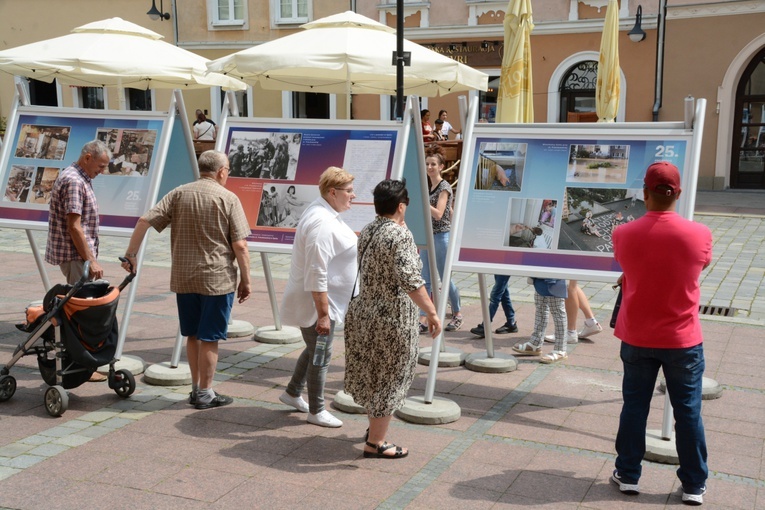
(577, 93)
(747, 169)
(563, 72)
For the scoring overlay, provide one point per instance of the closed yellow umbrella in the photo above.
(609, 78)
(515, 101)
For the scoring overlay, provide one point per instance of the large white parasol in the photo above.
(113, 52)
(347, 53)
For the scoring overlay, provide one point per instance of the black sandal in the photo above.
(383, 448)
(366, 436)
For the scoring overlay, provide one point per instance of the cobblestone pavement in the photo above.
(540, 435)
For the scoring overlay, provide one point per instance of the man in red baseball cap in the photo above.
(662, 255)
(663, 178)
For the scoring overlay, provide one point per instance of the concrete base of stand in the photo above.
(710, 389)
(135, 364)
(239, 329)
(162, 374)
(499, 363)
(440, 411)
(451, 357)
(271, 335)
(345, 403)
(658, 449)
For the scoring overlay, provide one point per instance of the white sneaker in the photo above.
(631, 489)
(571, 338)
(694, 499)
(324, 419)
(296, 402)
(588, 331)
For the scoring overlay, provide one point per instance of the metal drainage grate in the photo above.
(718, 311)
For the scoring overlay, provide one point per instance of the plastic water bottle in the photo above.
(321, 350)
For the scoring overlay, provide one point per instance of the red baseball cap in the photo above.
(663, 177)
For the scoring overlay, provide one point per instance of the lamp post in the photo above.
(637, 33)
(660, 59)
(400, 60)
(158, 14)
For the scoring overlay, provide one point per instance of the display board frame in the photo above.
(42, 141)
(573, 168)
(376, 152)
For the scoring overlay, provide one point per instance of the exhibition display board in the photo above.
(275, 165)
(43, 141)
(543, 199)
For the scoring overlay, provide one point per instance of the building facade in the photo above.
(700, 48)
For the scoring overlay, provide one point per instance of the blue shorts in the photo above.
(205, 317)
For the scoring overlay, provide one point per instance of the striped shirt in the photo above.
(205, 219)
(72, 194)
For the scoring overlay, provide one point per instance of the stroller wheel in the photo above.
(7, 387)
(124, 383)
(56, 401)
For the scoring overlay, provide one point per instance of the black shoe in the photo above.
(478, 331)
(192, 398)
(507, 328)
(217, 401)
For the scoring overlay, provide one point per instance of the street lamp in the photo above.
(155, 13)
(637, 34)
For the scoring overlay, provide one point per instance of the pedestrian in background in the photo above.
(208, 231)
(73, 219)
(662, 255)
(381, 336)
(575, 301)
(446, 127)
(322, 272)
(549, 296)
(441, 207)
(500, 295)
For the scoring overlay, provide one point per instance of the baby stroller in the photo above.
(83, 337)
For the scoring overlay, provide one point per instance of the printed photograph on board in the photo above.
(258, 155)
(132, 150)
(530, 223)
(19, 183)
(281, 205)
(42, 142)
(598, 163)
(500, 166)
(43, 185)
(592, 214)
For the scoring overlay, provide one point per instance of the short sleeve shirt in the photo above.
(205, 220)
(445, 223)
(662, 255)
(72, 194)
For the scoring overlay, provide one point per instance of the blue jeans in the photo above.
(441, 241)
(683, 370)
(500, 295)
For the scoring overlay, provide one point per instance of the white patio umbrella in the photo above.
(347, 54)
(113, 52)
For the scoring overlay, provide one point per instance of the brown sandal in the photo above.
(379, 454)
